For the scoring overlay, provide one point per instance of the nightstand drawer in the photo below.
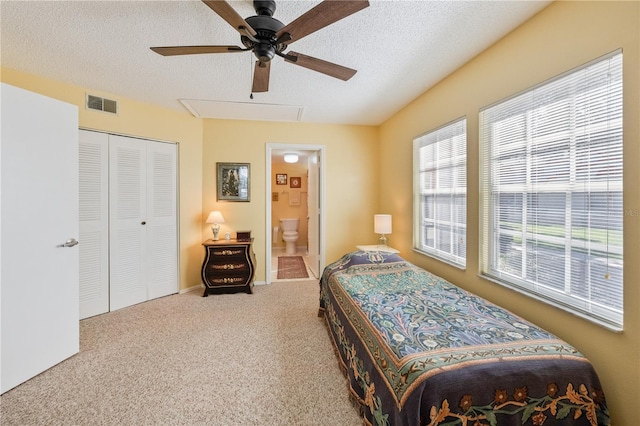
(223, 281)
(229, 266)
(228, 252)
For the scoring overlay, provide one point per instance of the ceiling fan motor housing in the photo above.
(266, 28)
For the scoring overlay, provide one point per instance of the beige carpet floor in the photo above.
(237, 359)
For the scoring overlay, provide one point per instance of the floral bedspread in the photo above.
(420, 351)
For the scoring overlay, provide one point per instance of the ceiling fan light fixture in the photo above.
(291, 158)
(264, 52)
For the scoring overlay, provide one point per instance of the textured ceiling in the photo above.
(400, 49)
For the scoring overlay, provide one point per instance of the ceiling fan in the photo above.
(267, 37)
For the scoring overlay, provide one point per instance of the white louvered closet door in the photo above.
(128, 221)
(94, 223)
(162, 239)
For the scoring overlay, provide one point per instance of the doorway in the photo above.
(299, 194)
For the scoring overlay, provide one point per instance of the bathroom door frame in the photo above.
(320, 151)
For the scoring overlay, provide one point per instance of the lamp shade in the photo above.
(382, 224)
(215, 217)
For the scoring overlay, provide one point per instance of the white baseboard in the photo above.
(193, 288)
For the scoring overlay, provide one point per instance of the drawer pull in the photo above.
(227, 252)
(229, 266)
(228, 280)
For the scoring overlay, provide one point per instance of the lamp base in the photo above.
(215, 229)
(382, 241)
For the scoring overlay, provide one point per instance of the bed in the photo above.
(418, 350)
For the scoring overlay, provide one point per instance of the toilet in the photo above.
(289, 234)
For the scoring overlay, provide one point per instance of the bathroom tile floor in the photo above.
(275, 252)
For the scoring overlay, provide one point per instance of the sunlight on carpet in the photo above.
(291, 267)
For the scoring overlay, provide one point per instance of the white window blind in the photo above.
(551, 191)
(440, 188)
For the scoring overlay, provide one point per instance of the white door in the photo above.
(127, 221)
(143, 236)
(39, 275)
(161, 218)
(314, 213)
(94, 223)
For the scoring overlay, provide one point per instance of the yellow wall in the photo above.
(561, 37)
(351, 181)
(351, 156)
(146, 121)
(281, 208)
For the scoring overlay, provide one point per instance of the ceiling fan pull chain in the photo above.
(252, 75)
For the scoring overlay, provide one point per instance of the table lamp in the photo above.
(216, 218)
(382, 226)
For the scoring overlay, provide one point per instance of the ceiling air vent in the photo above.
(102, 104)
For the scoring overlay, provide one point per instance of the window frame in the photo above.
(490, 232)
(454, 164)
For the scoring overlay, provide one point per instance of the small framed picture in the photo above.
(233, 182)
(281, 178)
(296, 182)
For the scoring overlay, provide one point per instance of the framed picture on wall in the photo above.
(296, 182)
(233, 183)
(281, 178)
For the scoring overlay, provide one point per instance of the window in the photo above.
(440, 188)
(551, 191)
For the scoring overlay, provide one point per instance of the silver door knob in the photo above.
(69, 243)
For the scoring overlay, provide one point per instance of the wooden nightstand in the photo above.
(228, 267)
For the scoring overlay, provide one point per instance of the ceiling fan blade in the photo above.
(315, 64)
(261, 77)
(320, 16)
(229, 14)
(195, 50)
